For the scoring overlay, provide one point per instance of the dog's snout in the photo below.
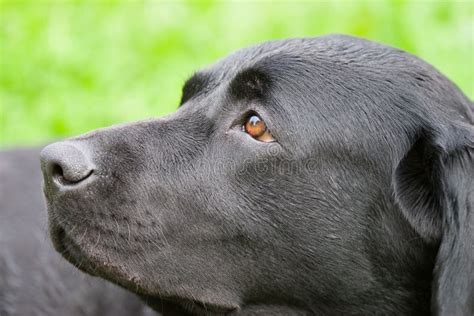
(64, 164)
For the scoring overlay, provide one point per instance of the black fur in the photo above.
(362, 206)
(34, 279)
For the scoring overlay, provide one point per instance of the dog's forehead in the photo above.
(306, 50)
(344, 67)
(342, 89)
(227, 67)
(250, 56)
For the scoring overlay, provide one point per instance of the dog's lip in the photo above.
(68, 248)
(72, 252)
(162, 304)
(75, 254)
(215, 308)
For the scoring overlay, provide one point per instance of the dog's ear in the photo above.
(434, 187)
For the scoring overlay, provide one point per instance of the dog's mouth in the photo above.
(91, 264)
(179, 306)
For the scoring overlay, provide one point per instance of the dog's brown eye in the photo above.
(256, 127)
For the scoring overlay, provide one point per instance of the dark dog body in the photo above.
(34, 279)
(362, 205)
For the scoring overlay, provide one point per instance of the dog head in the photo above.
(327, 175)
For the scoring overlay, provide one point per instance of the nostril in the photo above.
(58, 175)
(57, 171)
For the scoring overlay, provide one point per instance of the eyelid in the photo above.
(249, 113)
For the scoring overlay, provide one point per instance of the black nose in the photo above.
(64, 164)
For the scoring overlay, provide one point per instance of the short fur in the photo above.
(363, 205)
(34, 279)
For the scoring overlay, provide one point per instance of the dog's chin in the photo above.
(98, 266)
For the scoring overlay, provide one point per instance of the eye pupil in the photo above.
(255, 126)
(254, 120)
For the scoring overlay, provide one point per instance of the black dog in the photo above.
(34, 279)
(323, 176)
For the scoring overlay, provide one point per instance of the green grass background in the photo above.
(68, 67)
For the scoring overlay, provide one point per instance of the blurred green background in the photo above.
(70, 66)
